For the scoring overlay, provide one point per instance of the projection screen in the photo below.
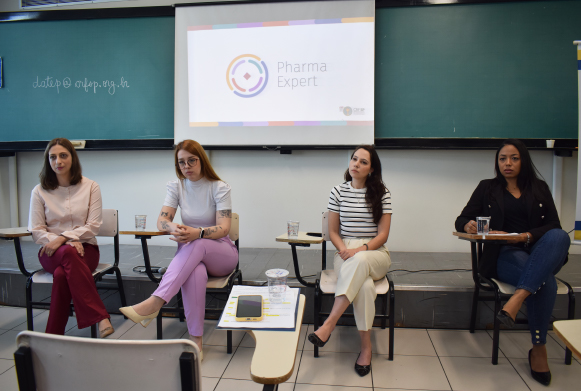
(275, 73)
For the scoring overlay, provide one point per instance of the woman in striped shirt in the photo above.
(359, 222)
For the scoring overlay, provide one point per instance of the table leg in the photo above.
(296, 264)
(147, 261)
(19, 258)
(324, 256)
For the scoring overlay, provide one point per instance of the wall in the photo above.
(429, 189)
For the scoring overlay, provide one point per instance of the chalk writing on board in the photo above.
(86, 85)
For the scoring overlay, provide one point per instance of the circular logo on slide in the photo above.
(347, 111)
(247, 75)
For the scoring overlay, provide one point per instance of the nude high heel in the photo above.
(135, 317)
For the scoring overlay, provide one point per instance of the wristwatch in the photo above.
(201, 233)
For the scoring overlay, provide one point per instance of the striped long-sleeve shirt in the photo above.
(354, 212)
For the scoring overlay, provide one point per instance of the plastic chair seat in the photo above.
(218, 282)
(44, 277)
(508, 289)
(328, 283)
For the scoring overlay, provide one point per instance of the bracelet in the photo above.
(366, 246)
(201, 233)
(528, 239)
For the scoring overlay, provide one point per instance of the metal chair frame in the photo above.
(489, 285)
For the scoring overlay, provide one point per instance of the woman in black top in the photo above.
(517, 200)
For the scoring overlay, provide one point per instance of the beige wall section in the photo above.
(429, 189)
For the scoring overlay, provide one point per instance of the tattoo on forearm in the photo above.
(164, 214)
(210, 231)
(164, 224)
(226, 213)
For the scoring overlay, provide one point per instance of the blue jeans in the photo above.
(534, 269)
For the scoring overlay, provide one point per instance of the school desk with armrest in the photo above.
(569, 331)
(15, 234)
(273, 360)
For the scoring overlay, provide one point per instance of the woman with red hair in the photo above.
(204, 247)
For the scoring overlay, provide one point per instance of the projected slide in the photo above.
(282, 73)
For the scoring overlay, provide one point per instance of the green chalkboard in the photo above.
(101, 79)
(486, 70)
(453, 71)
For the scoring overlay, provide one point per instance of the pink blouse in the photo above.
(73, 212)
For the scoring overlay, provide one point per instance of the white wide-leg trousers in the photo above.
(356, 276)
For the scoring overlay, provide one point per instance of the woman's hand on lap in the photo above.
(51, 247)
(185, 234)
(347, 253)
(79, 247)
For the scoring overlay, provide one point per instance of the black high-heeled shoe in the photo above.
(315, 340)
(505, 318)
(362, 370)
(542, 377)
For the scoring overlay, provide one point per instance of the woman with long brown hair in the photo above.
(359, 223)
(204, 247)
(65, 217)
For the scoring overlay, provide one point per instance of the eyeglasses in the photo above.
(191, 162)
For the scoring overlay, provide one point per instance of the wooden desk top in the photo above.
(511, 238)
(144, 233)
(273, 361)
(303, 238)
(570, 332)
(14, 232)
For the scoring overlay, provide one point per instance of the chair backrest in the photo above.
(235, 227)
(110, 226)
(325, 226)
(58, 362)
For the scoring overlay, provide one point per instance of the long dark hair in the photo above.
(374, 183)
(48, 179)
(529, 179)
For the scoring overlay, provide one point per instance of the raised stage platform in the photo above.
(425, 299)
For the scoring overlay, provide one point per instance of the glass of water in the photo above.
(277, 285)
(140, 221)
(482, 225)
(293, 229)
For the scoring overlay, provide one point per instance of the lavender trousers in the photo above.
(189, 270)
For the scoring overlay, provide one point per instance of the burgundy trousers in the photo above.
(73, 279)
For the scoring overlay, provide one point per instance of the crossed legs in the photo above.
(533, 271)
(73, 280)
(355, 285)
(189, 271)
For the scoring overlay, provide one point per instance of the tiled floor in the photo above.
(424, 359)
